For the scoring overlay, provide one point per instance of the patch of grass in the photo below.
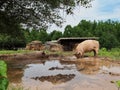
(14, 52)
(64, 53)
(117, 83)
(113, 53)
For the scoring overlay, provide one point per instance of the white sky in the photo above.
(100, 10)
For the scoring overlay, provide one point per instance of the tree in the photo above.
(33, 34)
(35, 13)
(68, 31)
(55, 35)
(107, 31)
(9, 42)
(43, 35)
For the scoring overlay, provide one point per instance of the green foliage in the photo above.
(3, 75)
(3, 69)
(32, 35)
(118, 83)
(11, 37)
(14, 51)
(35, 13)
(65, 53)
(108, 32)
(114, 53)
(43, 36)
(55, 35)
(9, 42)
(68, 31)
(3, 83)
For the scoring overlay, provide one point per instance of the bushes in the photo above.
(9, 42)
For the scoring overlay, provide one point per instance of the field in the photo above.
(114, 53)
(61, 64)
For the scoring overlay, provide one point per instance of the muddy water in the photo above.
(87, 74)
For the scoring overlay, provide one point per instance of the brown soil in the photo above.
(86, 66)
(27, 56)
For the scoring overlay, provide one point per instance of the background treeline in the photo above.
(107, 31)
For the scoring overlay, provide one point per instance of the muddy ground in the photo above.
(39, 71)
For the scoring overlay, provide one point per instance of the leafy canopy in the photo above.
(35, 13)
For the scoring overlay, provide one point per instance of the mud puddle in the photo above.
(86, 74)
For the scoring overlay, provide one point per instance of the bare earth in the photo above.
(63, 73)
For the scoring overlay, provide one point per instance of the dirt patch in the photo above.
(115, 74)
(92, 65)
(26, 56)
(65, 72)
(86, 65)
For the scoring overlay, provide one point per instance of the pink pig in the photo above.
(87, 46)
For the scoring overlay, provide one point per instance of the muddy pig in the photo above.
(87, 46)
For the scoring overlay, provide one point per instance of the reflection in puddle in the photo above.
(56, 79)
(56, 75)
(111, 70)
(88, 67)
(38, 70)
(43, 72)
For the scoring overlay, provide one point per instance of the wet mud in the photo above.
(64, 73)
(25, 56)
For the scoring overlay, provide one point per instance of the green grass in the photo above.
(114, 53)
(117, 83)
(13, 51)
(65, 53)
